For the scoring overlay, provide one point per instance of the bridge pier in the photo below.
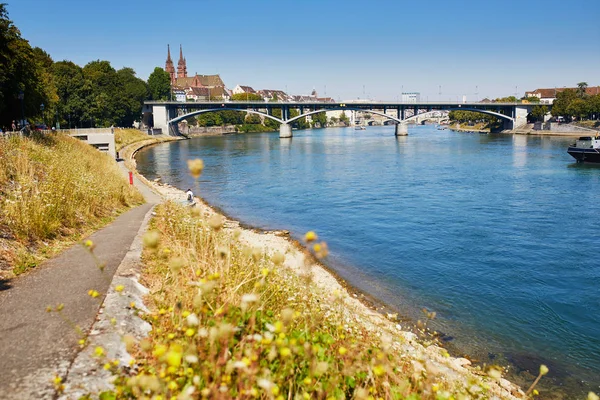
(401, 129)
(285, 131)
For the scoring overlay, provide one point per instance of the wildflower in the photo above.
(307, 380)
(57, 380)
(151, 239)
(378, 370)
(106, 366)
(195, 167)
(310, 236)
(215, 222)
(176, 264)
(535, 392)
(278, 258)
(119, 288)
(285, 352)
(159, 350)
(192, 320)
(264, 272)
(592, 396)
(173, 358)
(342, 350)
(81, 342)
(543, 370)
(190, 332)
(93, 293)
(99, 351)
(89, 245)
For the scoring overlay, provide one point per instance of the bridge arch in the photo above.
(496, 114)
(289, 121)
(197, 112)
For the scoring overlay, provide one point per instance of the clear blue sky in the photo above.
(343, 46)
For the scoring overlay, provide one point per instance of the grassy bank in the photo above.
(53, 190)
(230, 321)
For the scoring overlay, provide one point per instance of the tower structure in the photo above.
(181, 65)
(169, 67)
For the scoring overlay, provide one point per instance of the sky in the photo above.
(343, 49)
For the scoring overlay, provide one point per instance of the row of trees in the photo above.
(36, 88)
(577, 104)
(241, 118)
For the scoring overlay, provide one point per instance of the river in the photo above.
(495, 233)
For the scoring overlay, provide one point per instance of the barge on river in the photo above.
(586, 149)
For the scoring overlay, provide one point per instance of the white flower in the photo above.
(192, 320)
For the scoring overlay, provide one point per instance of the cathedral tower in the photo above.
(169, 67)
(181, 65)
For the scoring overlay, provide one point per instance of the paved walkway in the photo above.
(36, 345)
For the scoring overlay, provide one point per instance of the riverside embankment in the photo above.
(444, 235)
(453, 374)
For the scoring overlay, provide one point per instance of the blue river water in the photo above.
(495, 233)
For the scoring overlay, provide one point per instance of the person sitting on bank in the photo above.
(190, 197)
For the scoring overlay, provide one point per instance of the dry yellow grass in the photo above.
(124, 137)
(52, 190)
(230, 322)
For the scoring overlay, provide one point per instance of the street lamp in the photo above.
(22, 97)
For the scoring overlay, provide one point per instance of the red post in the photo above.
(130, 178)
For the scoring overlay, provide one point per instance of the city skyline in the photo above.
(345, 50)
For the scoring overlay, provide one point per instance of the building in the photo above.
(411, 97)
(547, 96)
(275, 95)
(239, 89)
(181, 81)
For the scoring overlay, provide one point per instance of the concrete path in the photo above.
(36, 345)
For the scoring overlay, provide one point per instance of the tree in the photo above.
(271, 123)
(531, 99)
(561, 103)
(320, 118)
(133, 91)
(538, 112)
(578, 108)
(21, 71)
(581, 89)
(344, 119)
(246, 97)
(70, 83)
(159, 84)
(253, 119)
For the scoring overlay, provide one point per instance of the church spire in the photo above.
(181, 65)
(169, 67)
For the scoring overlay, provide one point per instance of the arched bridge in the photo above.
(165, 115)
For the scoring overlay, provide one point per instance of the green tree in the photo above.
(581, 89)
(21, 71)
(271, 123)
(560, 106)
(246, 97)
(344, 118)
(538, 112)
(130, 97)
(578, 108)
(531, 99)
(320, 119)
(253, 119)
(159, 84)
(70, 89)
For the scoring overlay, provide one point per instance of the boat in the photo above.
(586, 149)
(360, 127)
